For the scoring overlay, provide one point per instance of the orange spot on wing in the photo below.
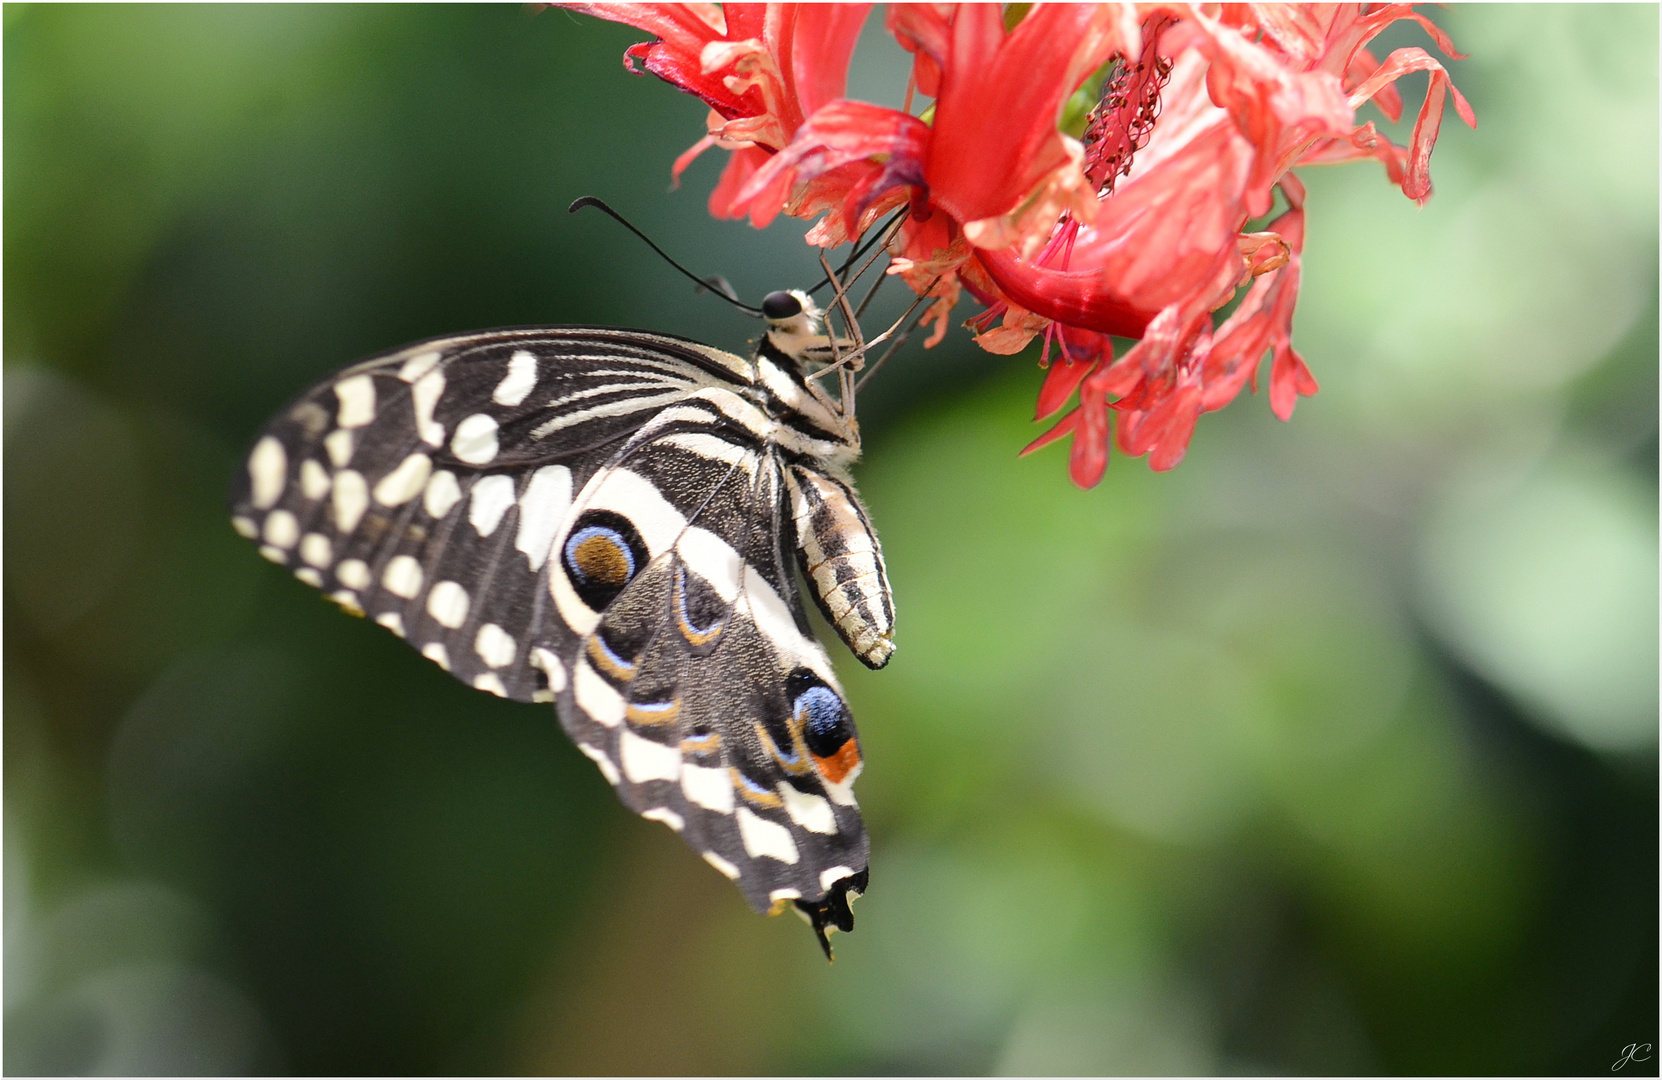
(837, 767)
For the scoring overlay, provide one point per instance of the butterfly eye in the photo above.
(602, 555)
(778, 306)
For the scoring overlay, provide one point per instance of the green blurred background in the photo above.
(1334, 750)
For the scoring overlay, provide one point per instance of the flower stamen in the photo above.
(1124, 118)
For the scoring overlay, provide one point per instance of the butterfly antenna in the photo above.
(714, 284)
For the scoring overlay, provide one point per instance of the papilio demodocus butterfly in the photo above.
(608, 520)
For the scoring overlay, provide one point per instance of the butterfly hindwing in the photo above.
(686, 683)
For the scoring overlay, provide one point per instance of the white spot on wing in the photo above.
(491, 497)
(765, 838)
(666, 815)
(710, 788)
(489, 683)
(727, 869)
(551, 666)
(314, 480)
(681, 412)
(494, 645)
(316, 549)
(598, 756)
(351, 499)
(447, 604)
(808, 810)
(639, 500)
(268, 471)
(713, 559)
(475, 440)
(706, 446)
(405, 482)
(357, 401)
(402, 577)
(282, 529)
(353, 573)
(392, 621)
(645, 760)
(424, 398)
(519, 382)
(541, 509)
(310, 577)
(843, 794)
(338, 443)
(417, 366)
(442, 493)
(595, 696)
(245, 527)
(275, 554)
(774, 620)
(834, 875)
(434, 651)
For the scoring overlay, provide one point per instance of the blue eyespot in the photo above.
(824, 720)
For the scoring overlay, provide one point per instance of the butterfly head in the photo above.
(793, 321)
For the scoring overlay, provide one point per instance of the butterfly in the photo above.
(613, 521)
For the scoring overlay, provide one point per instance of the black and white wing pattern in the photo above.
(611, 521)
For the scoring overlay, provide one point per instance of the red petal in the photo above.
(1167, 236)
(1063, 428)
(675, 58)
(1364, 64)
(925, 30)
(687, 157)
(1289, 379)
(1170, 426)
(842, 133)
(724, 201)
(1296, 28)
(1060, 382)
(1083, 298)
(995, 122)
(820, 46)
(1417, 184)
(1088, 459)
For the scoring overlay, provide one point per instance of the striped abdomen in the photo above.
(843, 563)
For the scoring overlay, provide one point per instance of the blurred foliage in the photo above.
(1332, 751)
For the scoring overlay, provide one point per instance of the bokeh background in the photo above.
(1332, 751)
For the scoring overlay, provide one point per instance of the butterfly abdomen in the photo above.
(843, 563)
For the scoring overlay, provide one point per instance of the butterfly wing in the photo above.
(696, 686)
(576, 515)
(423, 488)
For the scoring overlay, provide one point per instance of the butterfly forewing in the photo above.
(600, 518)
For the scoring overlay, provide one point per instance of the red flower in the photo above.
(1136, 229)
(762, 68)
